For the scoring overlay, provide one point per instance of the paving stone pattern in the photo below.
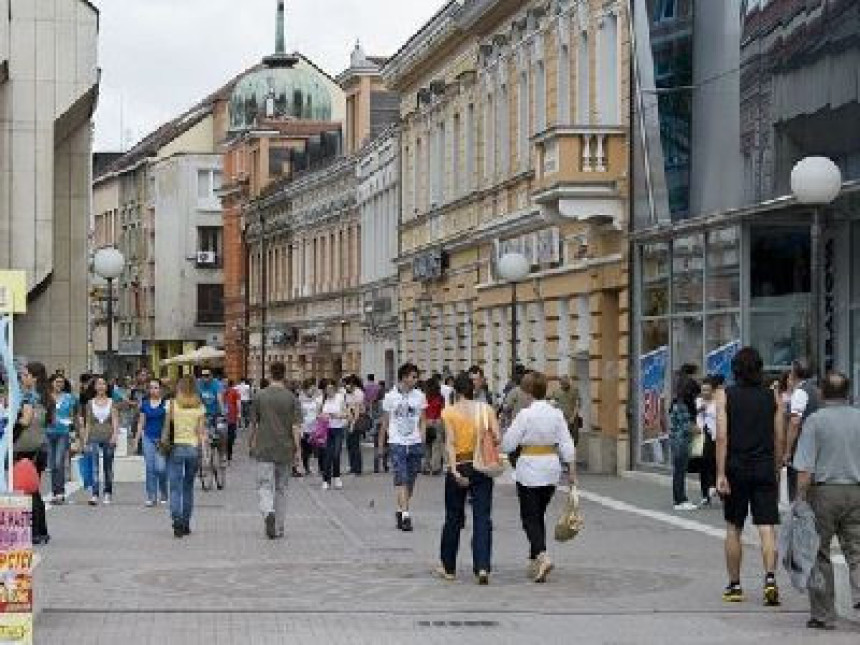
(115, 574)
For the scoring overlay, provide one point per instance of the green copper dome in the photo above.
(279, 93)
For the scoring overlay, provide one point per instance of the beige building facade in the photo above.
(48, 92)
(515, 138)
(303, 239)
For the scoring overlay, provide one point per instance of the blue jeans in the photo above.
(181, 469)
(98, 449)
(156, 470)
(481, 490)
(679, 440)
(333, 450)
(58, 449)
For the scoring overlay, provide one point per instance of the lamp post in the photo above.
(513, 267)
(815, 181)
(109, 263)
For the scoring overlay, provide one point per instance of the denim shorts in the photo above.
(406, 462)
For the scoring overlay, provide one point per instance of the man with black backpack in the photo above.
(805, 401)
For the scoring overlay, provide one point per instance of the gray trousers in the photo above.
(272, 491)
(837, 512)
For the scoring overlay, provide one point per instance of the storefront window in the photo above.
(724, 269)
(655, 279)
(854, 339)
(687, 342)
(780, 294)
(688, 274)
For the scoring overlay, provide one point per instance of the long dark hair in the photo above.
(46, 398)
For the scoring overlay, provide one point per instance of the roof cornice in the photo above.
(437, 30)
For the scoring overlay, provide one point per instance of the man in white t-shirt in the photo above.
(245, 400)
(403, 427)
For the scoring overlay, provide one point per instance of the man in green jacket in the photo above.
(275, 444)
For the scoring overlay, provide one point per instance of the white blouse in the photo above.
(540, 424)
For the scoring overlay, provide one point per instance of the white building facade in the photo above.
(378, 169)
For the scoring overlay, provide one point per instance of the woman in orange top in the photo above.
(462, 422)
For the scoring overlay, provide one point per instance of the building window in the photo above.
(780, 282)
(563, 116)
(456, 180)
(208, 182)
(523, 117)
(489, 139)
(540, 96)
(470, 146)
(210, 304)
(583, 93)
(607, 102)
(210, 239)
(502, 112)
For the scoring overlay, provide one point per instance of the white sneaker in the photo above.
(106, 500)
(685, 506)
(325, 486)
(149, 503)
(338, 483)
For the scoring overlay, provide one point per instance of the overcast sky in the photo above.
(159, 57)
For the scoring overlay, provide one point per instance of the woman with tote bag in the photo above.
(541, 432)
(464, 422)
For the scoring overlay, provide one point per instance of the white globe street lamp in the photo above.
(109, 263)
(513, 267)
(816, 181)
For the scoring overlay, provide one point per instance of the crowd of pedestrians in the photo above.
(741, 437)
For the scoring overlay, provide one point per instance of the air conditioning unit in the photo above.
(207, 258)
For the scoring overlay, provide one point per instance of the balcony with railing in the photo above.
(581, 172)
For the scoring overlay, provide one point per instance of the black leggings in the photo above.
(533, 504)
(40, 519)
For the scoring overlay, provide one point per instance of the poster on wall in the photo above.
(16, 570)
(719, 361)
(652, 370)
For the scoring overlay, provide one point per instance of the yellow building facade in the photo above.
(514, 137)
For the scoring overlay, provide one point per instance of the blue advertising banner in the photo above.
(652, 371)
(719, 361)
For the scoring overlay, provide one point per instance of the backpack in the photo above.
(319, 435)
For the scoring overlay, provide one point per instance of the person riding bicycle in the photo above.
(212, 394)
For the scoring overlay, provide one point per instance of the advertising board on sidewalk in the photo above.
(16, 570)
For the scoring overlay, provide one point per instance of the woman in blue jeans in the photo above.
(188, 418)
(334, 410)
(150, 424)
(59, 434)
(463, 421)
(101, 427)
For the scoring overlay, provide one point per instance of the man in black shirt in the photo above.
(750, 441)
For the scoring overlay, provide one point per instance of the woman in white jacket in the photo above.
(540, 433)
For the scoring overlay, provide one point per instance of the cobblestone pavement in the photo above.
(115, 574)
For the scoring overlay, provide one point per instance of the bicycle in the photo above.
(212, 465)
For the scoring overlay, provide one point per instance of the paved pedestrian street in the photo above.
(344, 574)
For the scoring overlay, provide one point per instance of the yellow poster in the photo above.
(17, 629)
(13, 292)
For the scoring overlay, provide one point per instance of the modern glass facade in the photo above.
(723, 254)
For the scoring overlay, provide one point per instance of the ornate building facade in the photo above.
(378, 167)
(515, 138)
(303, 241)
